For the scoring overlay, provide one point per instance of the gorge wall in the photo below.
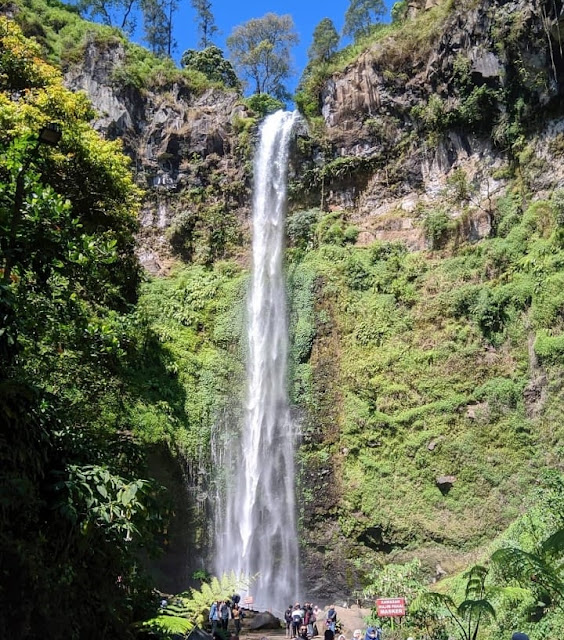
(424, 404)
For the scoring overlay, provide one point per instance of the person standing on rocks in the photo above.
(214, 616)
(224, 614)
(236, 615)
(288, 621)
(297, 617)
(331, 621)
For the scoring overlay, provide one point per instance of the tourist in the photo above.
(357, 635)
(297, 618)
(214, 616)
(309, 618)
(303, 633)
(341, 637)
(224, 614)
(236, 615)
(288, 621)
(370, 634)
(331, 621)
(328, 635)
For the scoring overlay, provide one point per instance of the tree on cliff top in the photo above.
(212, 64)
(204, 21)
(260, 50)
(325, 41)
(361, 16)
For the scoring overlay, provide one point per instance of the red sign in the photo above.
(390, 607)
(248, 600)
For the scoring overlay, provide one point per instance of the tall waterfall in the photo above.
(255, 521)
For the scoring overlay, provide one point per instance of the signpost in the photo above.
(390, 608)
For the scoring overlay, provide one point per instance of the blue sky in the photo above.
(230, 13)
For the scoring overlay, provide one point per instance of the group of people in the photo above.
(301, 623)
(220, 613)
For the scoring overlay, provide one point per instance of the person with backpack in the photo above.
(224, 614)
(297, 616)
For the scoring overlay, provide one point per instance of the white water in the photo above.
(255, 521)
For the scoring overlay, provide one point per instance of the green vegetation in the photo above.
(77, 506)
(260, 50)
(64, 37)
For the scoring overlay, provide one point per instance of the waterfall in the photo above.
(255, 519)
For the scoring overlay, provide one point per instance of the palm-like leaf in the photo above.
(476, 609)
(168, 624)
(554, 545)
(431, 597)
(525, 566)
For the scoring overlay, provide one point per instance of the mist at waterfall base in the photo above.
(255, 520)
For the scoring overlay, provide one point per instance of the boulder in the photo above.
(265, 620)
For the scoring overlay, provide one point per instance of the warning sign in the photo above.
(390, 607)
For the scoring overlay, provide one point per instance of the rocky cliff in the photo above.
(423, 135)
(185, 147)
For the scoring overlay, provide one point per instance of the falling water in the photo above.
(256, 524)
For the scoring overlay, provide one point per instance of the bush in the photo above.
(263, 104)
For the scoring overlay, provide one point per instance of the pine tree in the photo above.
(325, 41)
(361, 16)
(205, 22)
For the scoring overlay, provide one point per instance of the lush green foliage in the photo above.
(325, 41)
(473, 611)
(191, 607)
(361, 16)
(212, 64)
(75, 508)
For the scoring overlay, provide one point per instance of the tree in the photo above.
(325, 41)
(260, 49)
(75, 509)
(157, 25)
(212, 64)
(114, 13)
(205, 22)
(471, 612)
(361, 16)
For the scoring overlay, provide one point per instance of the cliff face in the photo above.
(182, 144)
(451, 91)
(458, 111)
(439, 122)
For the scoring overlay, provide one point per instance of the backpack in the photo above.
(296, 618)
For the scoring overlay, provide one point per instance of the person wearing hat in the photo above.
(519, 636)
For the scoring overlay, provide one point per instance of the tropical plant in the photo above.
(189, 608)
(541, 571)
(471, 612)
